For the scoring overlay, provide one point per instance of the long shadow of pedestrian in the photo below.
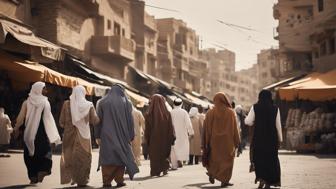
(84, 187)
(201, 185)
(143, 178)
(18, 186)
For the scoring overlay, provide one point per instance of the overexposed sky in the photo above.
(202, 15)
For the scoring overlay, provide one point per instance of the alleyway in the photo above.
(298, 171)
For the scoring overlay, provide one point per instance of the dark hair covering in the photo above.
(265, 97)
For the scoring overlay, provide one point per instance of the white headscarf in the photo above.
(80, 108)
(239, 109)
(193, 112)
(36, 104)
(2, 112)
(178, 103)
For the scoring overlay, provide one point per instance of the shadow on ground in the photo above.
(18, 186)
(320, 156)
(201, 185)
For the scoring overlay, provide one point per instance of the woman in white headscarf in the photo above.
(5, 130)
(40, 131)
(195, 140)
(76, 116)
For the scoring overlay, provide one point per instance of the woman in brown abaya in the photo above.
(159, 135)
(221, 138)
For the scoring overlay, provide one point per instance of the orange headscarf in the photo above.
(221, 101)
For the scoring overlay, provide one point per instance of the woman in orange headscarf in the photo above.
(221, 138)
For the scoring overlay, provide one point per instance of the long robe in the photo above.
(41, 161)
(116, 131)
(195, 141)
(222, 137)
(183, 129)
(159, 135)
(266, 137)
(139, 122)
(5, 130)
(76, 150)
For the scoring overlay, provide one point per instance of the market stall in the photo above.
(311, 119)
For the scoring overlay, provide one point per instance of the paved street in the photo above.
(298, 171)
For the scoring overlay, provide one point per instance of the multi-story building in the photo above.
(247, 86)
(323, 36)
(97, 32)
(145, 35)
(268, 67)
(177, 50)
(295, 23)
(221, 71)
(306, 35)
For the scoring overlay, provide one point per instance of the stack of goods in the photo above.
(293, 118)
(295, 136)
(327, 144)
(300, 124)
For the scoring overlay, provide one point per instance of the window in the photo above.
(108, 24)
(320, 5)
(116, 28)
(123, 32)
(316, 54)
(323, 49)
(332, 46)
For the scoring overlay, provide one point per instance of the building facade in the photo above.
(178, 52)
(268, 67)
(145, 34)
(221, 74)
(295, 23)
(323, 36)
(306, 35)
(97, 32)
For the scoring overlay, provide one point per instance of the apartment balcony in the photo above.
(181, 64)
(114, 47)
(181, 48)
(150, 22)
(150, 46)
(183, 84)
(198, 67)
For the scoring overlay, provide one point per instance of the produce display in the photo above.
(317, 124)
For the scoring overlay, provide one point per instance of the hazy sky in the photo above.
(202, 15)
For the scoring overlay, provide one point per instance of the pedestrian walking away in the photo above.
(139, 124)
(265, 117)
(76, 115)
(114, 134)
(221, 138)
(183, 130)
(40, 130)
(159, 135)
(195, 140)
(5, 131)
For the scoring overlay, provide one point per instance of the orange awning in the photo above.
(26, 72)
(315, 87)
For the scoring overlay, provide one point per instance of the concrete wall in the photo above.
(19, 10)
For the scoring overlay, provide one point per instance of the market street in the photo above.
(298, 171)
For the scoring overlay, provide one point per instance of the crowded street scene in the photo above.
(168, 94)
